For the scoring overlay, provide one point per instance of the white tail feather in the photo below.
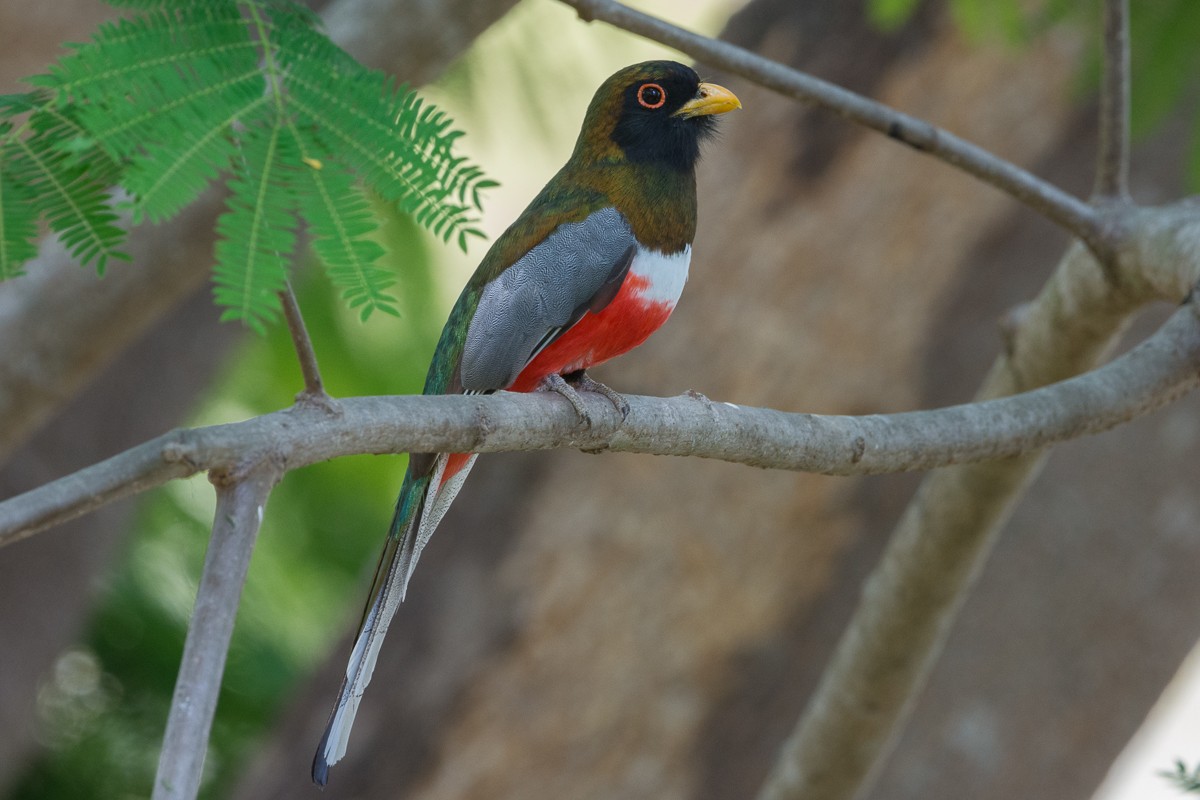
(436, 506)
(370, 637)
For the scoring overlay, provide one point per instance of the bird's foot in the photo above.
(585, 383)
(557, 384)
(572, 384)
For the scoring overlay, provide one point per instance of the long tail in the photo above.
(429, 489)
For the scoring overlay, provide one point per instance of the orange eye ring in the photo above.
(651, 95)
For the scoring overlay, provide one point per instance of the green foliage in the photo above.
(1186, 781)
(50, 171)
(256, 232)
(1166, 32)
(167, 101)
(891, 14)
(983, 18)
(979, 19)
(17, 228)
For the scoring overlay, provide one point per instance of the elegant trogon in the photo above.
(592, 267)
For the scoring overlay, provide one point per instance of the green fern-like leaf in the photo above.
(49, 160)
(340, 220)
(188, 73)
(18, 225)
(402, 147)
(183, 92)
(258, 231)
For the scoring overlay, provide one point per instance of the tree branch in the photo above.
(240, 502)
(1068, 211)
(314, 388)
(1158, 370)
(1112, 163)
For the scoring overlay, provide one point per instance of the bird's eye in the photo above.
(651, 95)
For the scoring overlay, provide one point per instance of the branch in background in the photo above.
(1062, 208)
(1150, 375)
(1112, 164)
(240, 502)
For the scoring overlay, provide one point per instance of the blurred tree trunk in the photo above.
(622, 626)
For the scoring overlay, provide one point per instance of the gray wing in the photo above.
(576, 269)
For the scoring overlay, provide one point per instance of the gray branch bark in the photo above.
(1155, 372)
(306, 354)
(241, 499)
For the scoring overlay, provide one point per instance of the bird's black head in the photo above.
(655, 112)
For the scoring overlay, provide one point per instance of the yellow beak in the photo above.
(709, 99)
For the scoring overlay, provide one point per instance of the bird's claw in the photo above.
(586, 383)
(557, 384)
(570, 387)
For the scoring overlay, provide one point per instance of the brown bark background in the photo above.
(631, 627)
(622, 626)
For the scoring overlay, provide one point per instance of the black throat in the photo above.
(671, 142)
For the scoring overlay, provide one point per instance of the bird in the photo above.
(592, 267)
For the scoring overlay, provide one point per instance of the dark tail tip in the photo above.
(320, 767)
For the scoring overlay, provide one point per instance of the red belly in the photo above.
(624, 323)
